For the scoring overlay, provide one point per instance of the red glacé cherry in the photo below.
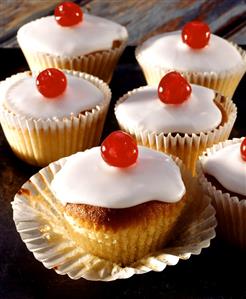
(68, 14)
(51, 83)
(196, 34)
(243, 149)
(173, 89)
(119, 149)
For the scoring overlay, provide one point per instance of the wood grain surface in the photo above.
(146, 18)
(15, 12)
(142, 18)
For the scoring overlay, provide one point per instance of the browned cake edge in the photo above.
(100, 218)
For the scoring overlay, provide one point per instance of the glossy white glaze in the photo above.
(227, 166)
(143, 110)
(168, 50)
(23, 98)
(92, 34)
(87, 179)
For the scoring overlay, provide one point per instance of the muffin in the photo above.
(42, 127)
(222, 173)
(101, 214)
(203, 59)
(156, 118)
(89, 44)
(125, 203)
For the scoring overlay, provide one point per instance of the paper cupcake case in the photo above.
(223, 82)
(230, 211)
(41, 141)
(39, 219)
(100, 64)
(187, 147)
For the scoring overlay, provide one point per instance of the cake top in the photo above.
(22, 97)
(90, 35)
(228, 166)
(168, 50)
(143, 110)
(86, 178)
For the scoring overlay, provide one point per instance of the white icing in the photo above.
(168, 50)
(92, 34)
(227, 166)
(143, 110)
(87, 179)
(23, 98)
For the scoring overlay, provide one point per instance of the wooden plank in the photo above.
(15, 13)
(239, 37)
(146, 18)
(142, 18)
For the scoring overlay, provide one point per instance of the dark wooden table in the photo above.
(218, 272)
(142, 18)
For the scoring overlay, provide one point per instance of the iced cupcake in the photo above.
(177, 117)
(222, 172)
(111, 212)
(52, 115)
(202, 58)
(73, 40)
(145, 197)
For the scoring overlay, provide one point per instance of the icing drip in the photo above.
(87, 179)
(168, 50)
(23, 98)
(93, 34)
(227, 166)
(144, 111)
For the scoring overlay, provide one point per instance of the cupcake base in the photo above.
(124, 236)
(100, 64)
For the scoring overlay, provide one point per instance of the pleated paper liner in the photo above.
(187, 147)
(224, 82)
(39, 219)
(100, 64)
(230, 211)
(41, 141)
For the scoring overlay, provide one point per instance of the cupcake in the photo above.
(202, 58)
(145, 195)
(222, 173)
(52, 115)
(111, 212)
(73, 40)
(179, 118)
